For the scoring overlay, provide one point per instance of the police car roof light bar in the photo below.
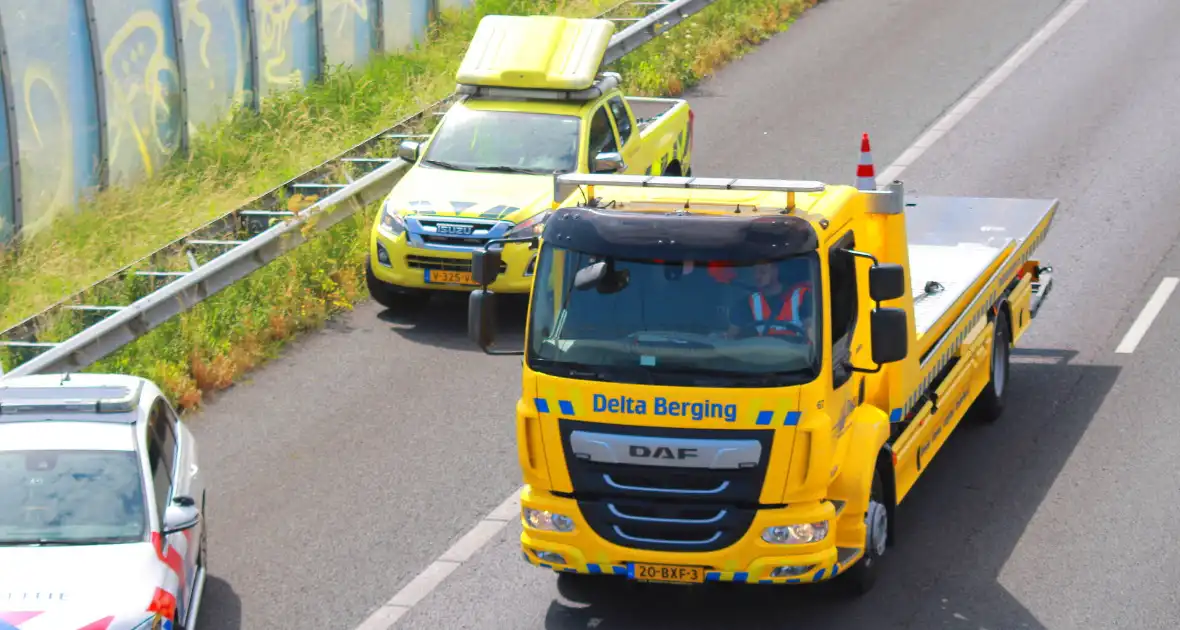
(85, 398)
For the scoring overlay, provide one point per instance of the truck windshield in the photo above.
(70, 497)
(474, 140)
(681, 323)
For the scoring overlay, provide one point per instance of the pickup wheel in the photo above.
(862, 575)
(386, 295)
(990, 404)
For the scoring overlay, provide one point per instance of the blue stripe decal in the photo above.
(619, 570)
(895, 415)
(764, 417)
(594, 568)
(766, 581)
(544, 566)
(835, 568)
(819, 575)
(567, 407)
(793, 581)
(792, 419)
(542, 405)
(569, 570)
(713, 576)
(740, 577)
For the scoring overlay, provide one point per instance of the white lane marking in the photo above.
(389, 613)
(418, 588)
(967, 103)
(1152, 309)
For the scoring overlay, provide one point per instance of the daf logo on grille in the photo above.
(454, 228)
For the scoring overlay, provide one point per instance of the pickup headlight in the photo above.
(800, 534)
(532, 226)
(391, 223)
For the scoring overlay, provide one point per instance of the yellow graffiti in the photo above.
(346, 9)
(274, 23)
(129, 94)
(38, 74)
(194, 16)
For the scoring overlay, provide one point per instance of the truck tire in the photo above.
(862, 575)
(386, 295)
(990, 404)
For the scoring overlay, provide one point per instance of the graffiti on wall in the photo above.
(104, 93)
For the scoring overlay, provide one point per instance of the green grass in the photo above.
(207, 348)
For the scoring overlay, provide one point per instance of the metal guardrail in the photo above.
(244, 240)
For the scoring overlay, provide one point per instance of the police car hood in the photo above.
(103, 587)
(460, 194)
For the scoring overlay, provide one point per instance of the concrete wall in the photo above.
(102, 92)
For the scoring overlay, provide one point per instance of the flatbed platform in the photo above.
(956, 243)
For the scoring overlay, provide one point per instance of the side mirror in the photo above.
(611, 162)
(890, 334)
(408, 150)
(481, 318)
(181, 514)
(485, 266)
(886, 282)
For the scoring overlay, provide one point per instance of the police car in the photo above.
(101, 503)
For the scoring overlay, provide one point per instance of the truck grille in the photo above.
(664, 508)
(435, 232)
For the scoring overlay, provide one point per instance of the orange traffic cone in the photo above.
(866, 178)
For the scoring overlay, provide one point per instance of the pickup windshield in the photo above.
(494, 141)
(677, 323)
(71, 497)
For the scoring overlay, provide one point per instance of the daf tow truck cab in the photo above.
(681, 421)
(532, 102)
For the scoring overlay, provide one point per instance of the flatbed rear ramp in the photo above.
(957, 245)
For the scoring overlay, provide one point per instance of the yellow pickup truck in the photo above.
(532, 103)
(741, 380)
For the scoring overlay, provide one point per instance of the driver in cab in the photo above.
(772, 309)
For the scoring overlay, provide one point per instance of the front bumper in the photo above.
(398, 262)
(749, 560)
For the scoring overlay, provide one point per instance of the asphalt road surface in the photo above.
(348, 465)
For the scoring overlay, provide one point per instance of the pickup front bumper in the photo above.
(435, 262)
(749, 560)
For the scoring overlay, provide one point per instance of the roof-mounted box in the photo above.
(536, 52)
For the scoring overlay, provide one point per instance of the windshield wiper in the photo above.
(511, 169)
(447, 165)
(606, 373)
(58, 542)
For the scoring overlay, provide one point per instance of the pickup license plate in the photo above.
(667, 573)
(449, 277)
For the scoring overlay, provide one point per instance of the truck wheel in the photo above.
(862, 575)
(384, 294)
(990, 404)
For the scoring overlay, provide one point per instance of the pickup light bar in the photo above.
(86, 399)
(566, 184)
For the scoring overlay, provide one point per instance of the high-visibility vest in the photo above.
(790, 312)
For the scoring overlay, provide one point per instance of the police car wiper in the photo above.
(49, 542)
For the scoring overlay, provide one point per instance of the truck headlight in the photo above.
(391, 223)
(800, 534)
(532, 226)
(549, 521)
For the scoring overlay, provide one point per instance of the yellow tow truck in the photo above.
(531, 103)
(740, 380)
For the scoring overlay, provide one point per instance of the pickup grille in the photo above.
(414, 261)
(665, 508)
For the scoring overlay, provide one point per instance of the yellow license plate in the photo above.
(667, 573)
(449, 277)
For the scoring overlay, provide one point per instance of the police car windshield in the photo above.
(70, 497)
(694, 323)
(473, 140)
